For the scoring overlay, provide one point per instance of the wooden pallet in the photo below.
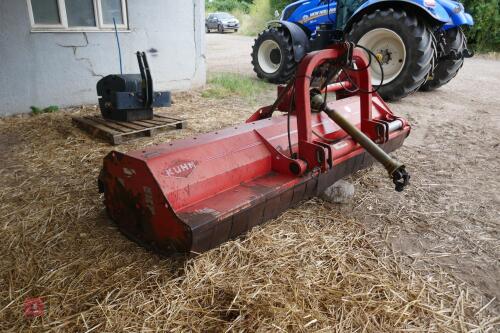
(117, 132)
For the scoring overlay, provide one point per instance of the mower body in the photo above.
(191, 195)
(197, 193)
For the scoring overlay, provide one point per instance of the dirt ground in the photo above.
(451, 216)
(426, 260)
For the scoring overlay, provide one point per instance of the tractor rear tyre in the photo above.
(447, 69)
(402, 43)
(272, 56)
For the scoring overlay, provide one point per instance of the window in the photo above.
(224, 16)
(77, 15)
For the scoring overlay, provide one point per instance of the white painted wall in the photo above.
(62, 68)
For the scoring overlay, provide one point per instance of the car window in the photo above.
(224, 16)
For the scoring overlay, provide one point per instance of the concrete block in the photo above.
(341, 192)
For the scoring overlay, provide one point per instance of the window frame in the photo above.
(63, 18)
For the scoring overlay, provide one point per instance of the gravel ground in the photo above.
(229, 52)
(451, 216)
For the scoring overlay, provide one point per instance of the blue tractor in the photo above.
(418, 44)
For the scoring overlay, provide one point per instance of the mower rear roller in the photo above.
(191, 195)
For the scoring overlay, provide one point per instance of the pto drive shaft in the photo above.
(396, 169)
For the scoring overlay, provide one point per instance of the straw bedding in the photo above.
(315, 268)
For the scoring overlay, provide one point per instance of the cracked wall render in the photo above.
(62, 68)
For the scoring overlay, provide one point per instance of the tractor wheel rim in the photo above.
(389, 49)
(269, 56)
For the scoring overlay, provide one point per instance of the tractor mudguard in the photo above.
(443, 12)
(300, 39)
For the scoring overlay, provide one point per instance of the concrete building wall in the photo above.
(62, 68)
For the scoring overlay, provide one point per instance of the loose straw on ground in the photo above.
(314, 268)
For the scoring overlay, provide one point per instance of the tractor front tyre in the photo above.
(402, 43)
(447, 68)
(272, 56)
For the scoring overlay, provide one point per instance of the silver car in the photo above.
(221, 22)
